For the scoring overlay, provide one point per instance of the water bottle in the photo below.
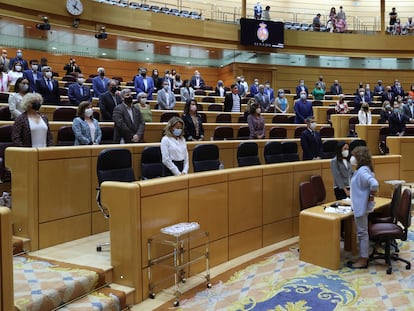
(221, 166)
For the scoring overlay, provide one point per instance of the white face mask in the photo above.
(35, 67)
(258, 110)
(48, 74)
(345, 153)
(18, 68)
(81, 80)
(143, 101)
(303, 96)
(88, 112)
(313, 126)
(24, 87)
(353, 161)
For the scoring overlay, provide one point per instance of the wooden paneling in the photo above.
(6, 260)
(277, 232)
(245, 242)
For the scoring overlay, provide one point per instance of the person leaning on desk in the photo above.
(363, 188)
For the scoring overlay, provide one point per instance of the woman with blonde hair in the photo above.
(281, 102)
(174, 148)
(31, 129)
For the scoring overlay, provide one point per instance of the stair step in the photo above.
(20, 245)
(106, 298)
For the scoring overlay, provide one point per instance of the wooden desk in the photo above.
(320, 232)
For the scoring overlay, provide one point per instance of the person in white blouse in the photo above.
(364, 115)
(174, 148)
(15, 99)
(15, 73)
(4, 79)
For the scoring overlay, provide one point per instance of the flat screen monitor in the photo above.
(259, 33)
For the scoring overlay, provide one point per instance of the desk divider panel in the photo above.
(6, 260)
(403, 146)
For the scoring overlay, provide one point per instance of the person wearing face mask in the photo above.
(303, 108)
(408, 108)
(186, 91)
(167, 78)
(197, 82)
(145, 84)
(31, 129)
(398, 120)
(100, 83)
(174, 148)
(256, 122)
(385, 112)
(397, 89)
(240, 86)
(411, 91)
(359, 100)
(165, 97)
(72, 67)
(368, 93)
(109, 99)
(301, 88)
(318, 92)
(363, 188)
(379, 89)
(193, 124)
(254, 88)
(18, 58)
(78, 92)
(310, 141)
(364, 114)
(341, 171)
(262, 99)
(244, 83)
(15, 73)
(85, 126)
(4, 79)
(281, 102)
(157, 80)
(33, 74)
(48, 87)
(143, 107)
(128, 121)
(270, 92)
(336, 88)
(388, 95)
(4, 61)
(15, 99)
(220, 90)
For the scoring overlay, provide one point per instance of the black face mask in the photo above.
(102, 74)
(114, 89)
(143, 74)
(128, 100)
(36, 106)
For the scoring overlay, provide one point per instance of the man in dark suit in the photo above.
(397, 121)
(33, 74)
(77, 92)
(262, 98)
(109, 99)
(19, 58)
(144, 84)
(129, 124)
(388, 95)
(232, 100)
(48, 87)
(336, 88)
(301, 87)
(310, 141)
(197, 81)
(100, 83)
(397, 89)
(4, 60)
(409, 108)
(379, 89)
(254, 88)
(359, 99)
(72, 67)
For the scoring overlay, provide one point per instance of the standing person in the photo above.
(72, 67)
(363, 188)
(19, 58)
(397, 121)
(318, 92)
(266, 13)
(341, 106)
(143, 83)
(270, 92)
(364, 115)
(157, 80)
(393, 17)
(336, 88)
(186, 91)
(48, 87)
(303, 108)
(85, 126)
(33, 74)
(262, 98)
(220, 89)
(341, 171)
(31, 129)
(301, 87)
(193, 124)
(232, 100)
(281, 102)
(174, 148)
(256, 122)
(257, 9)
(15, 73)
(78, 92)
(128, 121)
(310, 141)
(109, 99)
(4, 60)
(197, 82)
(15, 99)
(143, 107)
(385, 113)
(165, 97)
(4, 79)
(100, 83)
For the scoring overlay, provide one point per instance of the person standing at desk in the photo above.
(363, 188)
(341, 171)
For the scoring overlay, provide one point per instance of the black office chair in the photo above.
(290, 151)
(223, 118)
(112, 165)
(277, 132)
(356, 143)
(5, 114)
(151, 162)
(165, 116)
(64, 114)
(107, 135)
(243, 133)
(388, 232)
(247, 154)
(329, 149)
(223, 133)
(273, 152)
(206, 158)
(5, 142)
(327, 132)
(299, 130)
(65, 136)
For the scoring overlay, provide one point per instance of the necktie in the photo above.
(49, 83)
(337, 90)
(81, 90)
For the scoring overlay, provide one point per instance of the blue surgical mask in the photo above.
(177, 132)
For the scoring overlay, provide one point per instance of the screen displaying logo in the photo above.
(262, 32)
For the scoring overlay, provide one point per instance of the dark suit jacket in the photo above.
(264, 104)
(98, 86)
(107, 105)
(407, 111)
(125, 127)
(25, 66)
(358, 103)
(140, 86)
(388, 96)
(189, 127)
(311, 144)
(70, 68)
(396, 124)
(335, 91)
(49, 96)
(396, 91)
(379, 89)
(228, 102)
(21, 135)
(28, 74)
(299, 89)
(193, 83)
(75, 96)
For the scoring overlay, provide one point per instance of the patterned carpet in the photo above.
(282, 282)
